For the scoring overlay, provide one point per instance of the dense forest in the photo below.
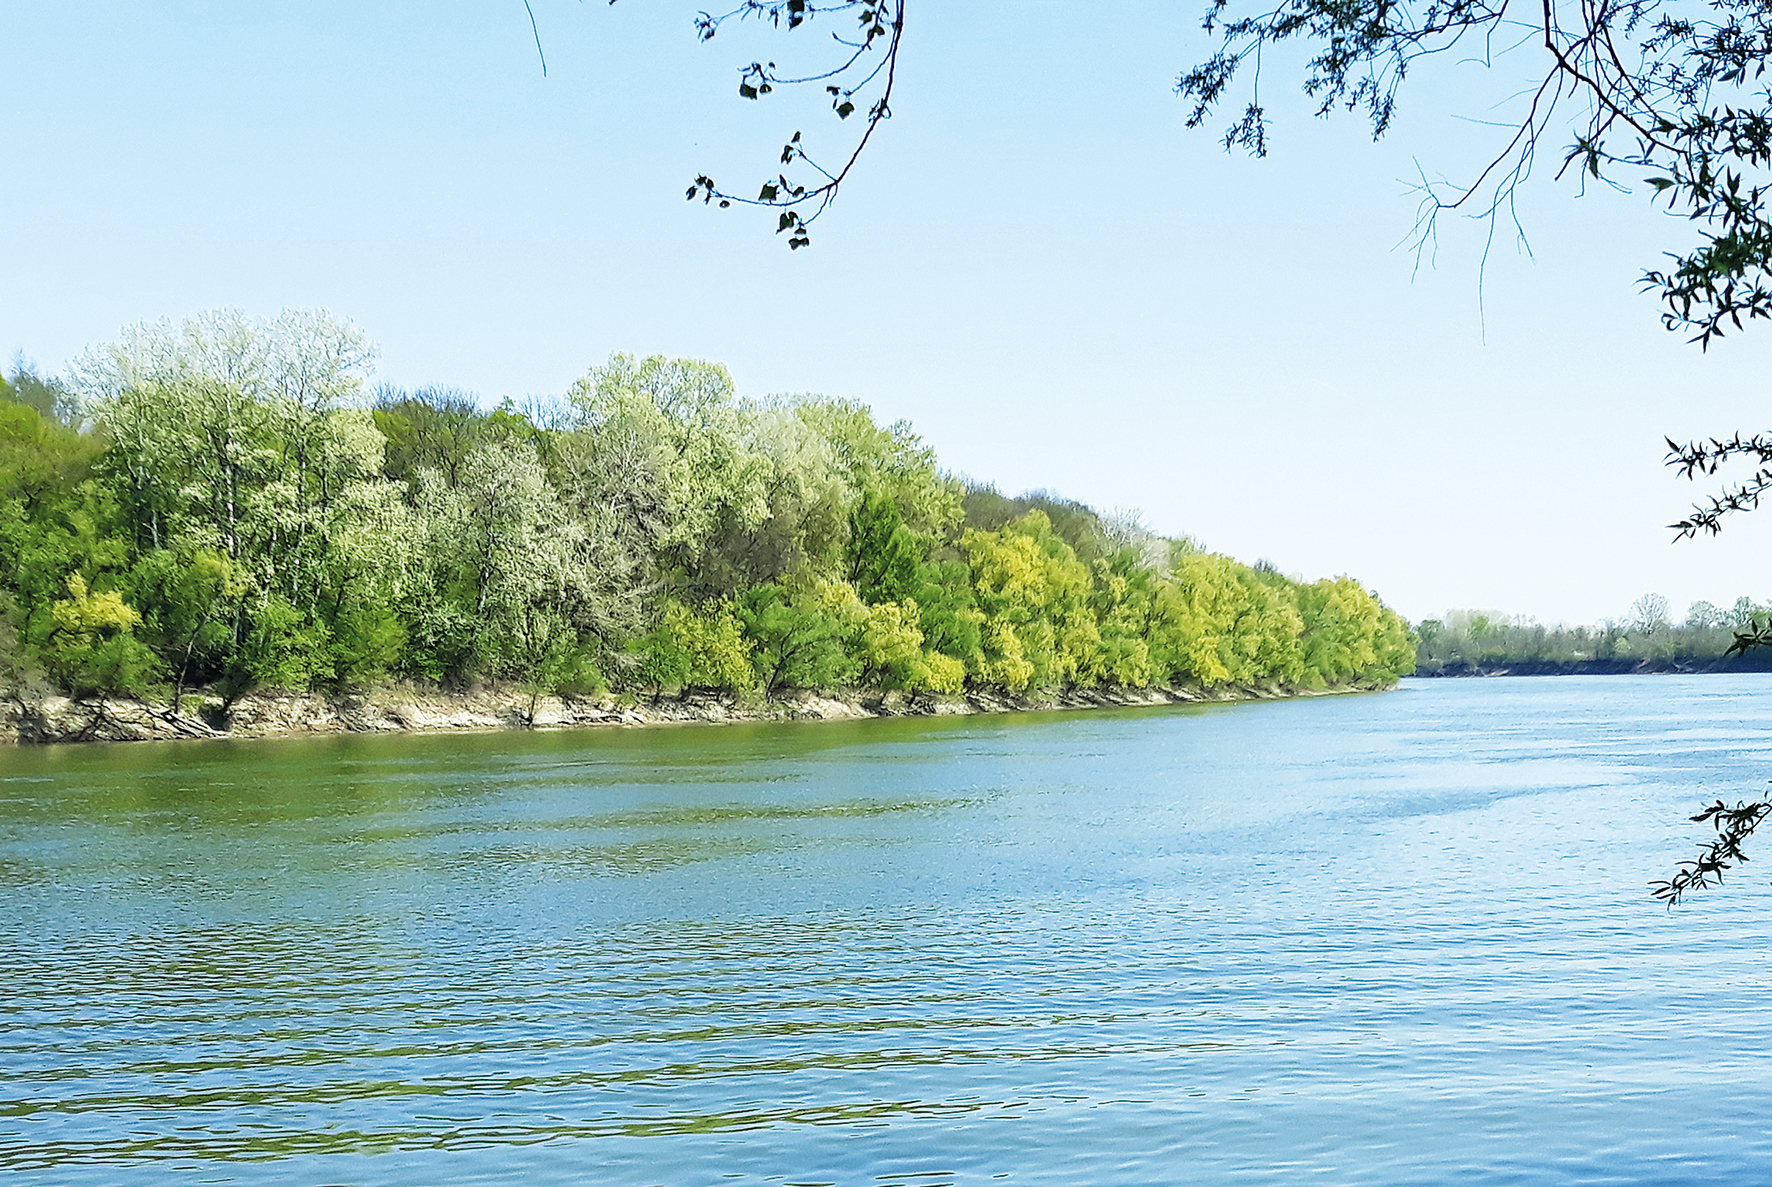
(223, 505)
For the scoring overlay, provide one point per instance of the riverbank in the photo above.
(1755, 661)
(53, 720)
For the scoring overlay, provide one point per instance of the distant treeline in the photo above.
(220, 506)
(1650, 638)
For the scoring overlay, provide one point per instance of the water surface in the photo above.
(1396, 938)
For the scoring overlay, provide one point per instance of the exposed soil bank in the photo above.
(408, 710)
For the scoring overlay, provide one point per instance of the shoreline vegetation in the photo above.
(1672, 666)
(1475, 643)
(208, 520)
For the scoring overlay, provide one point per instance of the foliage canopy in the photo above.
(221, 505)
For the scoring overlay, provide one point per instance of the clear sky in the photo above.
(1037, 265)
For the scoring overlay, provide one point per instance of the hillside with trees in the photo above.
(207, 509)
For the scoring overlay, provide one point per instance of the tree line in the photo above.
(222, 505)
(1469, 639)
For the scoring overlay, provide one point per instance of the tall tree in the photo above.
(242, 440)
(675, 433)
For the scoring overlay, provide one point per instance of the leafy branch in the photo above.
(1734, 825)
(1705, 458)
(868, 66)
(1757, 634)
(1672, 91)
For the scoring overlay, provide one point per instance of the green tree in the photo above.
(1038, 630)
(189, 601)
(57, 523)
(429, 429)
(806, 498)
(237, 518)
(1123, 600)
(893, 655)
(240, 439)
(690, 648)
(1201, 605)
(890, 460)
(1703, 616)
(48, 398)
(672, 431)
(801, 638)
(90, 647)
(882, 553)
(518, 577)
(948, 615)
(1350, 636)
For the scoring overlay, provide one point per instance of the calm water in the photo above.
(1401, 938)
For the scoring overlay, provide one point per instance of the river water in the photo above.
(1393, 938)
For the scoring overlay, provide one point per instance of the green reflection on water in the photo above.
(251, 1143)
(264, 990)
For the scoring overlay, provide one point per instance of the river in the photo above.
(1393, 938)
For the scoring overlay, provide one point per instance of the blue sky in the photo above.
(1037, 264)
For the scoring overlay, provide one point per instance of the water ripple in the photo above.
(1398, 939)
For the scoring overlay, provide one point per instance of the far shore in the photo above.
(408, 710)
(1617, 666)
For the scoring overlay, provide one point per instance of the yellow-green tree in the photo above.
(1039, 630)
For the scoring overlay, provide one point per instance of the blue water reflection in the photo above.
(1402, 938)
